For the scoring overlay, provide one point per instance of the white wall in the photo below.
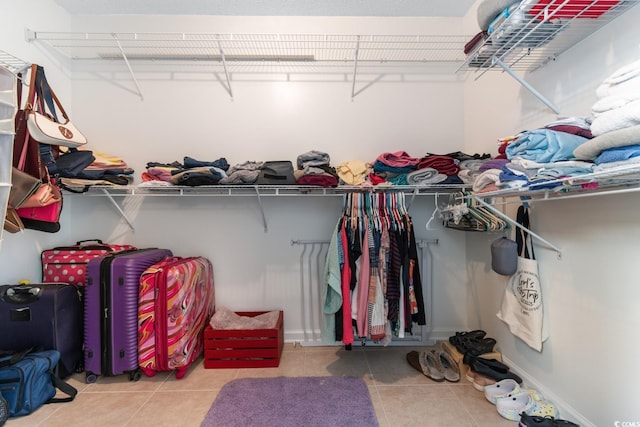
(187, 113)
(590, 294)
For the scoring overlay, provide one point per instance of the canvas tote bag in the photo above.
(521, 307)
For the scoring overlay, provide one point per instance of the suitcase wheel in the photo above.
(90, 378)
(135, 375)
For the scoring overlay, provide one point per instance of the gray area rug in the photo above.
(288, 402)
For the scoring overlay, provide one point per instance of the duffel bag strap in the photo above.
(16, 356)
(63, 386)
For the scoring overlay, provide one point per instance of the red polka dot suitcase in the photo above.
(68, 264)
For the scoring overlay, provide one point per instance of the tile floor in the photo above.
(401, 395)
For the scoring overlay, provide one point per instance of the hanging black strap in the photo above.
(523, 240)
(16, 356)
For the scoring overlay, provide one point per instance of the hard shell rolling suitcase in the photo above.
(176, 302)
(111, 312)
(68, 264)
(43, 315)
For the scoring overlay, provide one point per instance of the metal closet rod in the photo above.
(516, 224)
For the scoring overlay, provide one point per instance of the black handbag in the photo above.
(276, 173)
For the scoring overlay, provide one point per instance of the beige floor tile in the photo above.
(198, 378)
(98, 409)
(337, 363)
(122, 383)
(187, 409)
(480, 409)
(291, 365)
(429, 405)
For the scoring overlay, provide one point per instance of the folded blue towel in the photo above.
(544, 146)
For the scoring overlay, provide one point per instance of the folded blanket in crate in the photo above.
(224, 318)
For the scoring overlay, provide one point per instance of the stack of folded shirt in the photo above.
(354, 172)
(197, 172)
(191, 172)
(105, 169)
(445, 165)
(242, 173)
(313, 168)
(394, 167)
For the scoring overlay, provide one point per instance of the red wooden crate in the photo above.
(244, 348)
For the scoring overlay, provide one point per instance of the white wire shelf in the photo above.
(261, 190)
(261, 53)
(243, 48)
(622, 179)
(12, 63)
(533, 36)
(257, 191)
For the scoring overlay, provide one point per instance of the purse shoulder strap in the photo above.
(523, 239)
(31, 97)
(46, 93)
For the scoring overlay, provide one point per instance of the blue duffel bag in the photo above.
(28, 380)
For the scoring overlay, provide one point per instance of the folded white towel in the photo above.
(619, 118)
(490, 176)
(624, 73)
(608, 103)
(628, 89)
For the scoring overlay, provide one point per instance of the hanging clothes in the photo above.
(373, 252)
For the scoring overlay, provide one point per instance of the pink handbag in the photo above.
(46, 194)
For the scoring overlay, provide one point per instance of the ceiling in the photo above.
(445, 8)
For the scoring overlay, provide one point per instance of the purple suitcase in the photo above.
(111, 312)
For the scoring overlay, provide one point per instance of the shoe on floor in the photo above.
(493, 369)
(459, 337)
(511, 407)
(543, 408)
(480, 382)
(537, 421)
(427, 363)
(500, 389)
(518, 401)
(470, 375)
(448, 365)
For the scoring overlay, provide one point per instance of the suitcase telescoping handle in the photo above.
(22, 294)
(81, 242)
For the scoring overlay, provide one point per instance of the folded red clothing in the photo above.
(443, 164)
(376, 179)
(321, 180)
(398, 159)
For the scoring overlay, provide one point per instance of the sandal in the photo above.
(470, 335)
(477, 347)
(449, 366)
(426, 363)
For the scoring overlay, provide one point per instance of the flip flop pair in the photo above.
(436, 364)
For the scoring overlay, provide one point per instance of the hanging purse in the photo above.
(42, 218)
(46, 194)
(48, 131)
(23, 186)
(41, 211)
(12, 221)
(46, 128)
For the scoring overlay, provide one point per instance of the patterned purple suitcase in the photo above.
(111, 312)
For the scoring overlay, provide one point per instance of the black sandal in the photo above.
(459, 337)
(478, 347)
